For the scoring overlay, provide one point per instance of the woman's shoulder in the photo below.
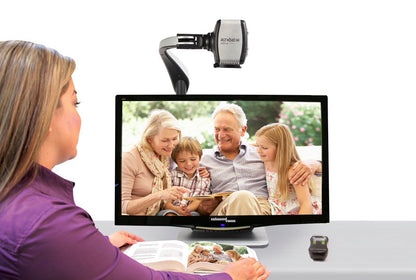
(32, 215)
(132, 158)
(131, 153)
(36, 228)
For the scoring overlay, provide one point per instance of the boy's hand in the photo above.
(203, 172)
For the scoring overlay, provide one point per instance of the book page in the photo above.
(221, 194)
(203, 257)
(208, 257)
(160, 255)
(212, 196)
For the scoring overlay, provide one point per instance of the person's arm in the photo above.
(206, 206)
(178, 209)
(65, 243)
(303, 196)
(303, 170)
(193, 206)
(138, 206)
(304, 199)
(169, 205)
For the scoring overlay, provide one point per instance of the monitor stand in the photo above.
(256, 237)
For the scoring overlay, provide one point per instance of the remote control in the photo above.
(318, 250)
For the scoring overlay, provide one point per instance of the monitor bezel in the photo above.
(221, 222)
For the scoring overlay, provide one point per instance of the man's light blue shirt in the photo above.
(245, 172)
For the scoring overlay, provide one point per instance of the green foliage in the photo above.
(259, 113)
(304, 120)
(180, 109)
(195, 119)
(202, 243)
(226, 247)
(241, 249)
(209, 141)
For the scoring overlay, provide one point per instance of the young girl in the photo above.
(277, 150)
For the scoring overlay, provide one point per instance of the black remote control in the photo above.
(318, 250)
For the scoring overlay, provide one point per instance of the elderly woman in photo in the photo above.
(146, 181)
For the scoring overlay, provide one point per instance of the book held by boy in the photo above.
(211, 196)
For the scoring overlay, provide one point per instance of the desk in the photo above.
(357, 250)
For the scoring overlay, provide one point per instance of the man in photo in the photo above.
(235, 166)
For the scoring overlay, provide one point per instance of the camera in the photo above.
(228, 42)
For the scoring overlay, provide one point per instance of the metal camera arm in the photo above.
(228, 42)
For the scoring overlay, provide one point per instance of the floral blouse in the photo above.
(291, 205)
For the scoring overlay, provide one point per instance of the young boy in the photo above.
(187, 155)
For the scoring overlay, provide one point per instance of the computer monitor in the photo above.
(305, 115)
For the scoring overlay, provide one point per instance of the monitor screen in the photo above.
(305, 120)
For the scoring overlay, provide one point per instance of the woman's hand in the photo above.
(121, 238)
(173, 193)
(247, 269)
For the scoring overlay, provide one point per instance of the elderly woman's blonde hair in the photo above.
(157, 120)
(32, 80)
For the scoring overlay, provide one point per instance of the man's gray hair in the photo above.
(234, 109)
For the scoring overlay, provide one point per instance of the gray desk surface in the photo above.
(357, 250)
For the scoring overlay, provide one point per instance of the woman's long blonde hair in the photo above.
(286, 153)
(32, 79)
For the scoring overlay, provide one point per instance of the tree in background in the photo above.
(259, 113)
(195, 118)
(304, 120)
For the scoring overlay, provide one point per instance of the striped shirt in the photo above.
(245, 172)
(198, 186)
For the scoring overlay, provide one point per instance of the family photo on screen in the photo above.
(199, 158)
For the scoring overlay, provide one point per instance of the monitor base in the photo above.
(254, 238)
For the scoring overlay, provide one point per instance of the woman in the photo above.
(43, 234)
(146, 180)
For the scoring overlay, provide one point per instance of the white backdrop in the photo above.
(359, 53)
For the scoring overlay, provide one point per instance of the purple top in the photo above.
(44, 235)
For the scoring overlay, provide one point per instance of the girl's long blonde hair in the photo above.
(32, 79)
(286, 154)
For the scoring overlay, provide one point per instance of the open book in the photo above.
(199, 257)
(211, 196)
